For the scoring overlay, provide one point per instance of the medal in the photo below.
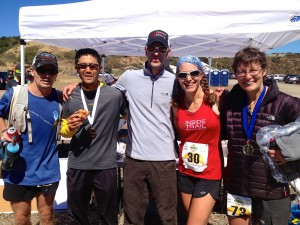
(91, 132)
(248, 149)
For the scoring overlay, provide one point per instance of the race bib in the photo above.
(238, 205)
(195, 156)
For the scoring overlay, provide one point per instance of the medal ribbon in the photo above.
(91, 117)
(249, 129)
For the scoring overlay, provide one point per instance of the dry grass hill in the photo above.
(115, 64)
(286, 63)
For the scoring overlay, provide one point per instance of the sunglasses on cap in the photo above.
(83, 66)
(160, 49)
(48, 71)
(194, 73)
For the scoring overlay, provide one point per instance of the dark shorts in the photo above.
(16, 193)
(198, 187)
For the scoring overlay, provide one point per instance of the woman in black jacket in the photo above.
(253, 194)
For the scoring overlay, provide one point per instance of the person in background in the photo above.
(150, 149)
(91, 117)
(110, 80)
(36, 171)
(197, 121)
(250, 105)
(14, 80)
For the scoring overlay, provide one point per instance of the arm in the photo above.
(68, 90)
(72, 123)
(3, 130)
(121, 83)
(4, 111)
(174, 118)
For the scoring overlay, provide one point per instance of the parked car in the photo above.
(293, 79)
(278, 77)
(287, 77)
(269, 78)
(232, 76)
(3, 79)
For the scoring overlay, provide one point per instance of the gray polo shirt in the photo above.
(150, 130)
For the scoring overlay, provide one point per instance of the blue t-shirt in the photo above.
(38, 161)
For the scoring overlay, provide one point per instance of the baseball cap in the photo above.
(44, 58)
(158, 35)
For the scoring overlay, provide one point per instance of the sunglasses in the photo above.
(83, 66)
(44, 71)
(183, 75)
(160, 49)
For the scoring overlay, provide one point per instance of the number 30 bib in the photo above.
(194, 156)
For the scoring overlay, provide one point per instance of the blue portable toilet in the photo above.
(206, 73)
(224, 76)
(215, 78)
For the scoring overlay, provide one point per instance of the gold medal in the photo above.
(248, 149)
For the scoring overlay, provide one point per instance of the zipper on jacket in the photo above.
(152, 78)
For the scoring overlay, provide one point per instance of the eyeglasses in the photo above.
(83, 66)
(44, 71)
(252, 72)
(193, 74)
(160, 49)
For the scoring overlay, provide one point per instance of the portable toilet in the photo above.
(206, 73)
(224, 76)
(215, 78)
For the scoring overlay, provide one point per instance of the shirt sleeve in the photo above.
(121, 83)
(5, 103)
(65, 129)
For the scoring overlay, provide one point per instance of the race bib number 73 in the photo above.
(238, 205)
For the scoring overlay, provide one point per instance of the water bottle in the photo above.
(11, 150)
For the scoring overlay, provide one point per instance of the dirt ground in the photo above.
(216, 218)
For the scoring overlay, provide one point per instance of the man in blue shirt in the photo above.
(35, 172)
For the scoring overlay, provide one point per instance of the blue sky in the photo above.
(10, 14)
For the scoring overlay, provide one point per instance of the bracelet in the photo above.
(4, 131)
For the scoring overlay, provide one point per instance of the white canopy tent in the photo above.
(215, 28)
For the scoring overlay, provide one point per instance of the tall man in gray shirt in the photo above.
(150, 151)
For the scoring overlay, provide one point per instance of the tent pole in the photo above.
(103, 72)
(22, 57)
(209, 63)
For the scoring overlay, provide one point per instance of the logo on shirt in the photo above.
(164, 93)
(195, 124)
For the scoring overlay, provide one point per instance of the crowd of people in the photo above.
(162, 109)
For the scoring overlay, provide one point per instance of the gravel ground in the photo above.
(150, 219)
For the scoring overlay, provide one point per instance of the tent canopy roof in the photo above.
(215, 29)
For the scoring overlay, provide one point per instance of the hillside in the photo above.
(10, 56)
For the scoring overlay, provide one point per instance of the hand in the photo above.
(6, 137)
(74, 121)
(68, 90)
(276, 156)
